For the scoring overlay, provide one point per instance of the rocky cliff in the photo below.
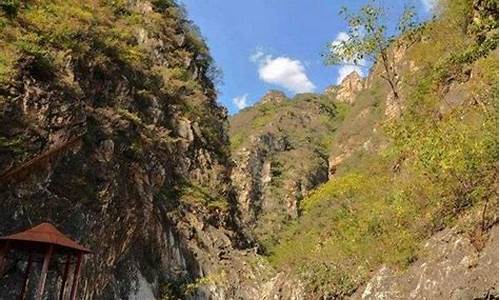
(280, 152)
(347, 90)
(449, 268)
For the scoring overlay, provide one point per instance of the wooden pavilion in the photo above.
(44, 241)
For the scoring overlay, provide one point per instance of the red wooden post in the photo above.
(76, 275)
(54, 243)
(43, 275)
(3, 255)
(65, 277)
(26, 277)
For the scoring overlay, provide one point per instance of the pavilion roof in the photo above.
(45, 233)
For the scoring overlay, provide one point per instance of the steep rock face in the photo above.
(253, 172)
(349, 87)
(451, 268)
(279, 152)
(347, 90)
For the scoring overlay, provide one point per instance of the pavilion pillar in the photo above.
(26, 277)
(43, 275)
(3, 256)
(65, 277)
(76, 276)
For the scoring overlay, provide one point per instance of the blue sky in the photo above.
(276, 44)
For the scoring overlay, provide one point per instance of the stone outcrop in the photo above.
(331, 91)
(350, 86)
(450, 268)
(262, 184)
(274, 97)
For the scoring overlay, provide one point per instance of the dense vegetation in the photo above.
(283, 117)
(438, 169)
(112, 39)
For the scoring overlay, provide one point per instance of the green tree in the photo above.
(369, 40)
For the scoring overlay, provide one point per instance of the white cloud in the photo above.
(282, 71)
(348, 66)
(429, 5)
(241, 101)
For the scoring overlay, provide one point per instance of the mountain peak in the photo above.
(351, 85)
(274, 96)
(353, 76)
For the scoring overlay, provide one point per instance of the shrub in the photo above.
(10, 7)
(162, 5)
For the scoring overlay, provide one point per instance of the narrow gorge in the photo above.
(111, 129)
